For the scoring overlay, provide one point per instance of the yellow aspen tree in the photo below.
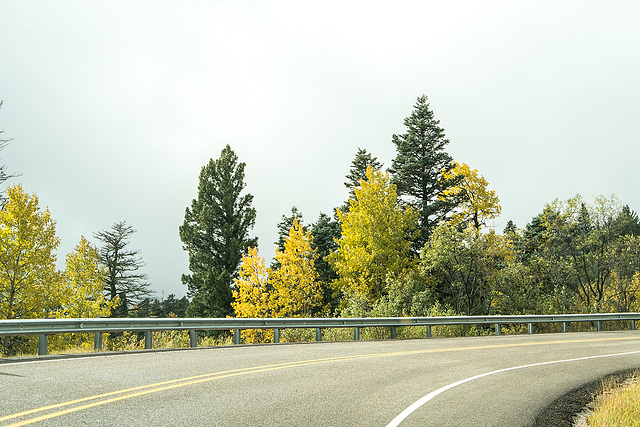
(296, 291)
(29, 282)
(251, 296)
(478, 202)
(81, 294)
(377, 234)
(84, 280)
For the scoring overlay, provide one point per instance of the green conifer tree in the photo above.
(215, 233)
(419, 166)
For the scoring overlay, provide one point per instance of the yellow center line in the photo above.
(197, 379)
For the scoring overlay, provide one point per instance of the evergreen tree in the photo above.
(358, 170)
(326, 231)
(285, 225)
(510, 229)
(627, 222)
(123, 279)
(419, 167)
(215, 233)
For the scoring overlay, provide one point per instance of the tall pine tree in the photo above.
(215, 233)
(419, 166)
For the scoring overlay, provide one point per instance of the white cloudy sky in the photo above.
(115, 106)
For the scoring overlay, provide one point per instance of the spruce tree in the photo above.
(215, 233)
(419, 166)
(358, 169)
(285, 224)
(326, 231)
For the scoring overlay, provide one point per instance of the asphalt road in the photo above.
(485, 381)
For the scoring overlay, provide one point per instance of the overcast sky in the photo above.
(115, 106)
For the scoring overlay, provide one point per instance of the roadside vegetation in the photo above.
(413, 239)
(618, 405)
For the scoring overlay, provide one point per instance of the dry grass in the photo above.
(618, 405)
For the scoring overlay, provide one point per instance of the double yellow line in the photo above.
(115, 396)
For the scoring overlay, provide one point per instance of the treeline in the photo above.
(97, 281)
(411, 241)
(102, 281)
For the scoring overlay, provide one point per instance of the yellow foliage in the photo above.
(296, 291)
(251, 296)
(81, 294)
(479, 204)
(29, 282)
(290, 291)
(376, 238)
(621, 294)
(84, 281)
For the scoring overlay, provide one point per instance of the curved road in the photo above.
(484, 381)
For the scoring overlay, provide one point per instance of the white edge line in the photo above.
(72, 358)
(404, 414)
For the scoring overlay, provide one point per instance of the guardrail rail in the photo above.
(98, 326)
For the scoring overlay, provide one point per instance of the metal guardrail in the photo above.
(98, 326)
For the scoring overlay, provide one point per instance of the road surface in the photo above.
(485, 381)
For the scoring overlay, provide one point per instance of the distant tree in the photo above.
(177, 306)
(166, 307)
(476, 203)
(215, 233)
(420, 166)
(124, 279)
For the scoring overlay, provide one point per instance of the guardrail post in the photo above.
(394, 333)
(633, 325)
(193, 338)
(428, 331)
(42, 344)
(497, 328)
(530, 328)
(318, 334)
(564, 326)
(148, 340)
(598, 326)
(276, 335)
(97, 341)
(236, 336)
(356, 333)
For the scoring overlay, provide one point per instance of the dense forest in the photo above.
(412, 240)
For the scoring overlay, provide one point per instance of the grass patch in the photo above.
(618, 405)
